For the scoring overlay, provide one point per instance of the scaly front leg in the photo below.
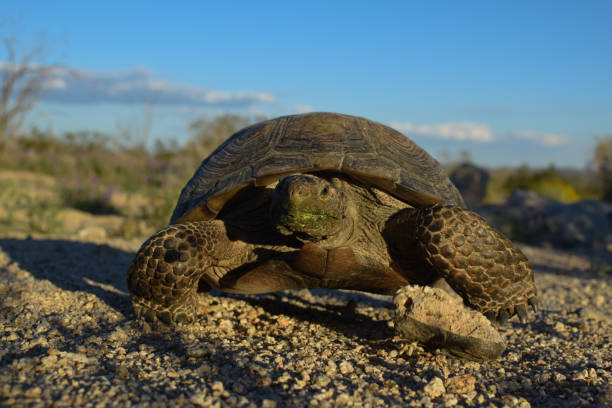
(164, 276)
(170, 266)
(479, 263)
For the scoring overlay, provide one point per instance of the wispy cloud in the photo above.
(451, 130)
(138, 86)
(478, 132)
(543, 138)
(302, 108)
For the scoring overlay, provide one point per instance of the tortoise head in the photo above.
(310, 207)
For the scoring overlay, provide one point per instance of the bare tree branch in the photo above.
(23, 77)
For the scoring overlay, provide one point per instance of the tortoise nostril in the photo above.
(295, 192)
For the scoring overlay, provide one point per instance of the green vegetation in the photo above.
(545, 182)
(42, 174)
(566, 186)
(602, 159)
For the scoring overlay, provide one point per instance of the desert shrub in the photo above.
(602, 158)
(586, 182)
(547, 182)
(98, 174)
(90, 197)
(495, 192)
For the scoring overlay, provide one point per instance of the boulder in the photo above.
(472, 182)
(538, 220)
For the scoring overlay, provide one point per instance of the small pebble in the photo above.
(346, 367)
(460, 384)
(434, 388)
(268, 403)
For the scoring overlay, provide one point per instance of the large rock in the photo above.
(538, 220)
(435, 318)
(472, 182)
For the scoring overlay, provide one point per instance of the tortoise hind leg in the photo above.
(270, 276)
(485, 268)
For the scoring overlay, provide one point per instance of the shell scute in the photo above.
(369, 152)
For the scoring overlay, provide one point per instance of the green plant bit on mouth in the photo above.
(305, 220)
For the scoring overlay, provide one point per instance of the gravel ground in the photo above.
(68, 338)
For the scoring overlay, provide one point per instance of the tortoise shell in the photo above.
(368, 152)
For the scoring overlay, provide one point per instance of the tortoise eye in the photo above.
(325, 191)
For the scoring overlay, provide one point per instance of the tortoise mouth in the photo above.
(306, 225)
(309, 207)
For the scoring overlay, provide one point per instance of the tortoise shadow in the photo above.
(344, 319)
(98, 269)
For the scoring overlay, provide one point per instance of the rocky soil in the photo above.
(68, 338)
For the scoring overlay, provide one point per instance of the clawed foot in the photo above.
(509, 300)
(502, 316)
(160, 317)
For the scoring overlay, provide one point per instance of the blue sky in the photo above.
(511, 82)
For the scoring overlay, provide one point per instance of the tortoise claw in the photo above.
(533, 301)
(521, 311)
(503, 316)
(490, 315)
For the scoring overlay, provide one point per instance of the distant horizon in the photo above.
(521, 83)
(445, 157)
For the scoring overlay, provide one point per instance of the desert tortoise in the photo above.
(324, 200)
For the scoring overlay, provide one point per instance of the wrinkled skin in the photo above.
(309, 207)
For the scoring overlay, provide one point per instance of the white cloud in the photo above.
(543, 138)
(451, 130)
(303, 108)
(54, 83)
(138, 86)
(476, 132)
